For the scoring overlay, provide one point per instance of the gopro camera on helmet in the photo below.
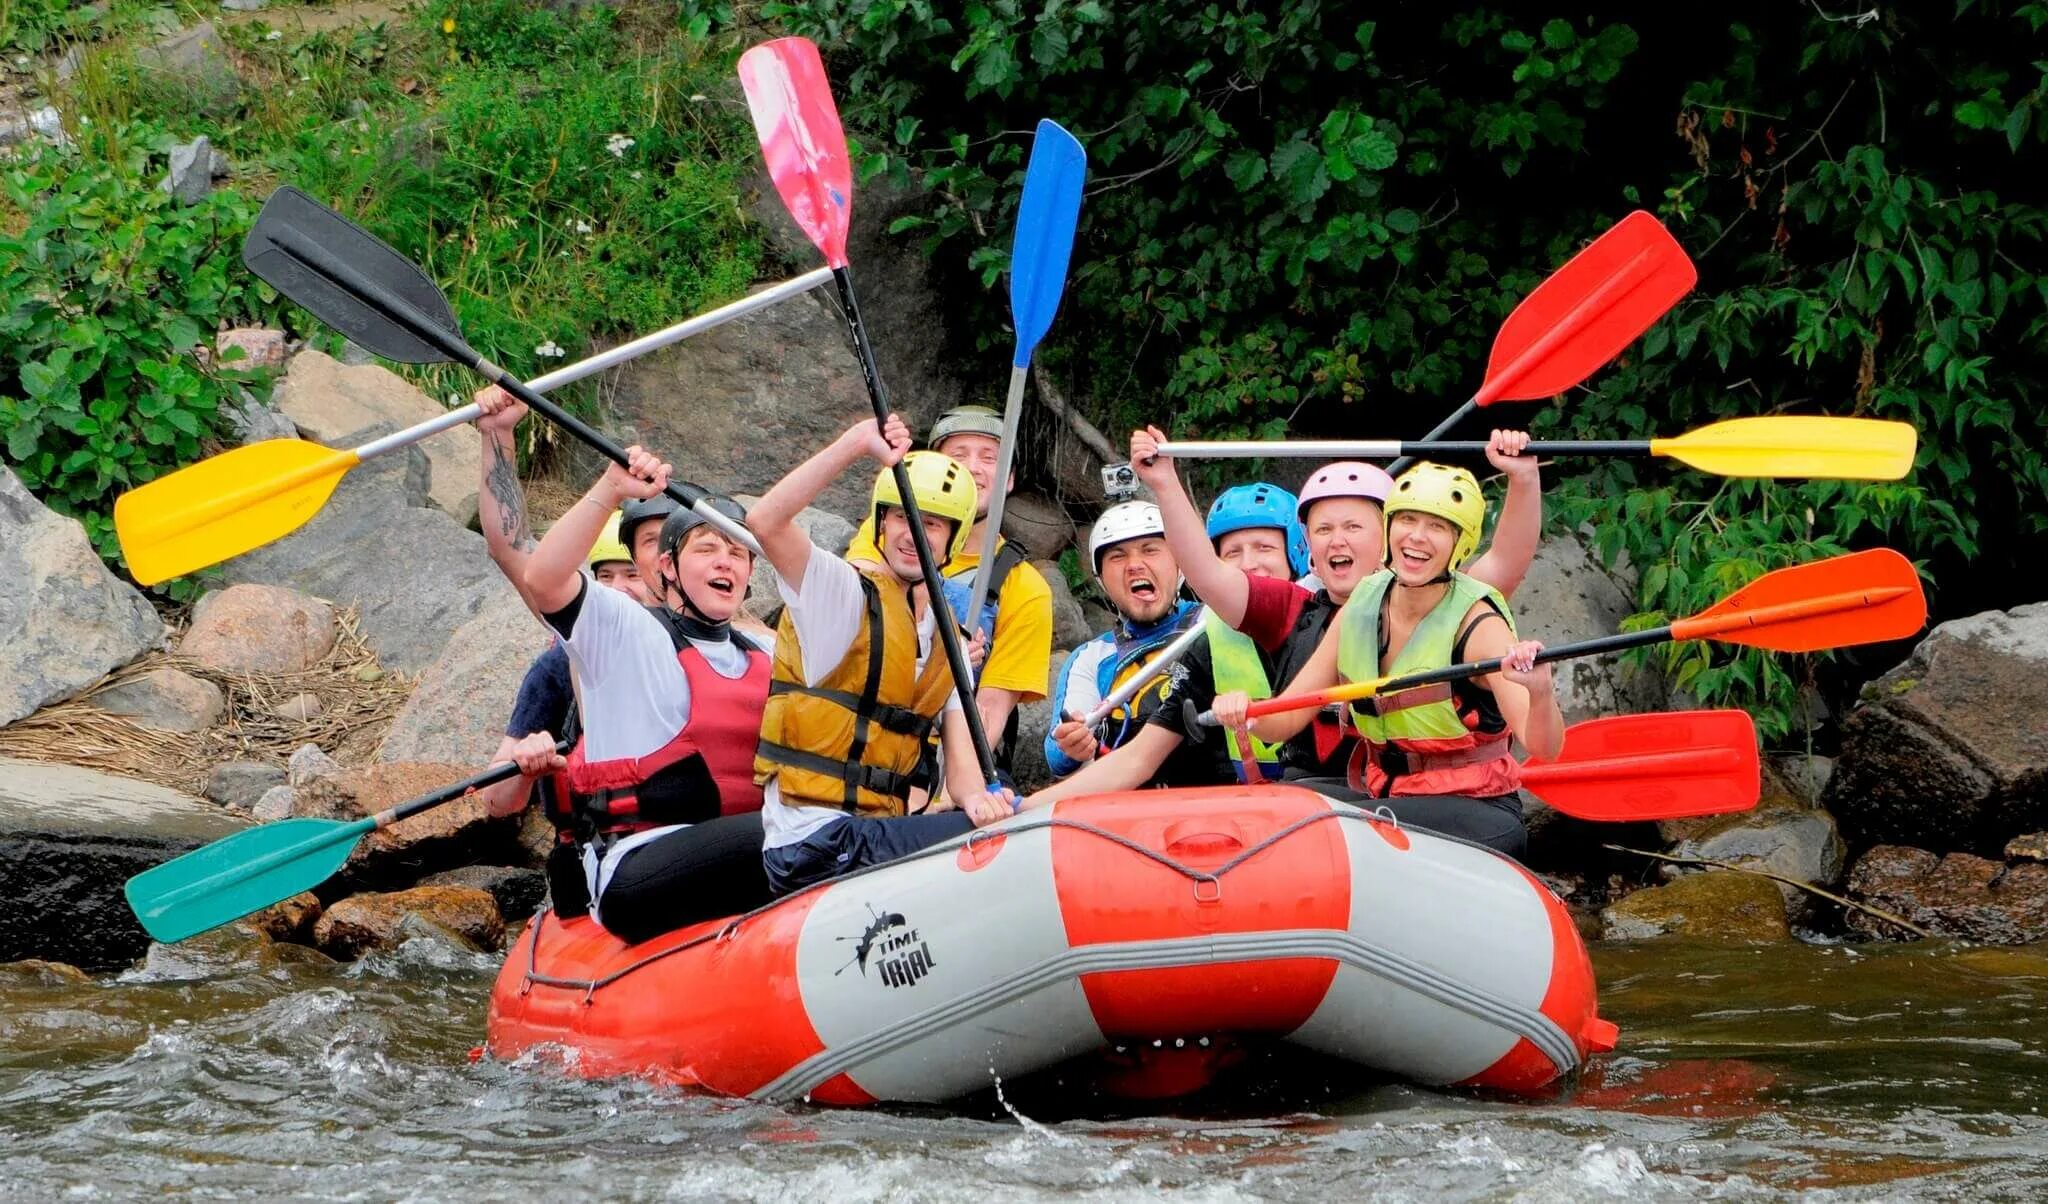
(1119, 483)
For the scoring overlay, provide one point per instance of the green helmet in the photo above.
(966, 420)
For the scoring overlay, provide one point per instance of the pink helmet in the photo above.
(1345, 478)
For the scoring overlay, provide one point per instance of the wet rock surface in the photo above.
(1961, 895)
(366, 922)
(1720, 905)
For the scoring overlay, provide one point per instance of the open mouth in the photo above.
(722, 585)
(1340, 563)
(1414, 559)
(1144, 590)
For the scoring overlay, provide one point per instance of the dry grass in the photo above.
(358, 700)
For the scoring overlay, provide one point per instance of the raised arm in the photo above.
(1223, 588)
(501, 499)
(1320, 673)
(1519, 529)
(555, 572)
(773, 518)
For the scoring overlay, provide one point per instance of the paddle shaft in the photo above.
(1382, 449)
(319, 259)
(934, 584)
(1166, 659)
(998, 488)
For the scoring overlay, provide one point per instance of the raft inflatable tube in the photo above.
(1241, 914)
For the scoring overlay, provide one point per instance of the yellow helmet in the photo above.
(942, 489)
(608, 548)
(1451, 494)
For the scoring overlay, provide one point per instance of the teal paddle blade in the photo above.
(1045, 233)
(240, 874)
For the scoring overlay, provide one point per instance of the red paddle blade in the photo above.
(801, 139)
(1643, 767)
(1862, 598)
(1587, 311)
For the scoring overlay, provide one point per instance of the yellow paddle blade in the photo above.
(222, 507)
(1850, 449)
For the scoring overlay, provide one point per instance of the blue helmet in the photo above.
(1244, 507)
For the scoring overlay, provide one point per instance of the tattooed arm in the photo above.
(501, 500)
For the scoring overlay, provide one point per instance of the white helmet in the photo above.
(1125, 520)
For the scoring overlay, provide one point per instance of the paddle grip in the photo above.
(934, 584)
(455, 790)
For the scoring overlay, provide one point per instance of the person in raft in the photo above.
(1436, 756)
(1339, 508)
(665, 810)
(858, 682)
(1128, 552)
(1254, 528)
(1014, 629)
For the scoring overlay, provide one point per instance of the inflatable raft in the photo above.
(1194, 919)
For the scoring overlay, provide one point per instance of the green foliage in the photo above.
(111, 286)
(1300, 223)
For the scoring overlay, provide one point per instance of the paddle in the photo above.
(257, 867)
(1855, 449)
(243, 499)
(805, 149)
(1861, 598)
(1644, 767)
(1581, 316)
(350, 280)
(1161, 661)
(1038, 275)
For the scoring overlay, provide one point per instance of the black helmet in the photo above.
(640, 510)
(678, 525)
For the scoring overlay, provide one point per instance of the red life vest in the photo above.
(706, 771)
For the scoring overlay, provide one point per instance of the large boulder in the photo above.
(70, 839)
(362, 923)
(1567, 596)
(457, 712)
(259, 629)
(1796, 842)
(1959, 895)
(1034, 720)
(344, 406)
(1948, 750)
(168, 700)
(1722, 905)
(459, 832)
(1069, 622)
(65, 621)
(413, 574)
(518, 890)
(1038, 524)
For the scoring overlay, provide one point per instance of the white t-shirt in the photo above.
(827, 612)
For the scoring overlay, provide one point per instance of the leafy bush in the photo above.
(110, 286)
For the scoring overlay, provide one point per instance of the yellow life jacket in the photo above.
(1234, 664)
(853, 740)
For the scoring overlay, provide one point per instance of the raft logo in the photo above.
(900, 955)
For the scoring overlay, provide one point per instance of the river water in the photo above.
(224, 1069)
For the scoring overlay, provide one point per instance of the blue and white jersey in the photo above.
(1095, 669)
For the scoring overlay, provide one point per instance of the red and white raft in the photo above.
(1242, 914)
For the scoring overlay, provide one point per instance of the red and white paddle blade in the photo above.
(801, 139)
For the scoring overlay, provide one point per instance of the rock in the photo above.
(1567, 596)
(1069, 622)
(245, 6)
(457, 713)
(412, 574)
(536, 839)
(362, 923)
(1806, 777)
(199, 61)
(260, 347)
(1037, 524)
(518, 890)
(43, 122)
(827, 530)
(259, 629)
(165, 699)
(239, 784)
(1096, 618)
(300, 708)
(1800, 843)
(65, 621)
(1720, 905)
(1957, 895)
(456, 833)
(253, 422)
(190, 177)
(70, 839)
(1034, 720)
(2031, 847)
(291, 920)
(342, 406)
(1948, 751)
(309, 764)
(274, 804)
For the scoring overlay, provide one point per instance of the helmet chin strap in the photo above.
(692, 613)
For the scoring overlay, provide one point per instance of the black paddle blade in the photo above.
(347, 277)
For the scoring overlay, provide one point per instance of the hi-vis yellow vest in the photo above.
(1446, 754)
(852, 740)
(1234, 665)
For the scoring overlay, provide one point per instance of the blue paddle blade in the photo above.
(1045, 234)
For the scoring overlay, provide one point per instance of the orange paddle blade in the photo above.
(1862, 598)
(225, 505)
(1644, 767)
(1587, 311)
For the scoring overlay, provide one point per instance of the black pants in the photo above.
(857, 842)
(696, 873)
(1494, 822)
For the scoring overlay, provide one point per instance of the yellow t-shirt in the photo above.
(1020, 658)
